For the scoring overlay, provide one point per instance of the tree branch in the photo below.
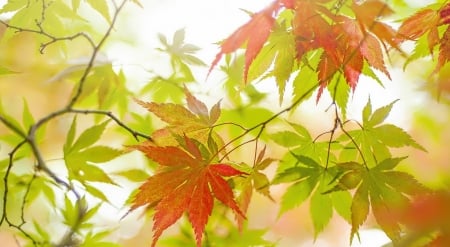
(30, 137)
(109, 114)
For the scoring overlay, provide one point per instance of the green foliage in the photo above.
(80, 156)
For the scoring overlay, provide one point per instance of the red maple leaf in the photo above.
(255, 32)
(444, 14)
(352, 46)
(312, 31)
(185, 182)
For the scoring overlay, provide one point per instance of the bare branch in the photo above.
(109, 114)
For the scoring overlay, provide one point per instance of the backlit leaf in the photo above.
(75, 5)
(255, 32)
(367, 111)
(96, 192)
(101, 6)
(287, 138)
(100, 154)
(185, 183)
(394, 136)
(70, 136)
(27, 117)
(380, 114)
(419, 23)
(88, 137)
(342, 201)
(195, 105)
(297, 194)
(134, 175)
(359, 208)
(321, 209)
(389, 164)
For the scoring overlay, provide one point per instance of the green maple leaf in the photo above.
(375, 138)
(312, 180)
(380, 188)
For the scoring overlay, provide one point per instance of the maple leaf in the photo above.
(185, 183)
(444, 14)
(367, 13)
(353, 46)
(256, 180)
(312, 31)
(195, 121)
(444, 50)
(255, 32)
(427, 21)
(418, 24)
(423, 22)
(385, 191)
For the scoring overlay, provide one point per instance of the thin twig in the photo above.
(4, 217)
(109, 114)
(25, 197)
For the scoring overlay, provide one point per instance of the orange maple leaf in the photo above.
(429, 213)
(255, 32)
(418, 24)
(367, 14)
(194, 121)
(427, 21)
(185, 183)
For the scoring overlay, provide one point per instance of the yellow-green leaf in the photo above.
(100, 154)
(359, 208)
(380, 114)
(75, 5)
(101, 6)
(27, 117)
(394, 136)
(342, 202)
(287, 139)
(321, 210)
(89, 137)
(134, 175)
(297, 194)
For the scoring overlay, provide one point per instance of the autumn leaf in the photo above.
(368, 13)
(444, 50)
(255, 32)
(194, 121)
(255, 181)
(418, 24)
(444, 14)
(346, 42)
(427, 21)
(427, 213)
(185, 183)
